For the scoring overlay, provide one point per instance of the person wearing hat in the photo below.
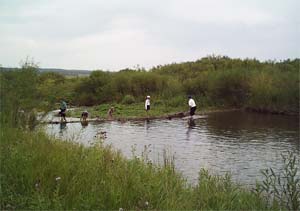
(192, 105)
(147, 103)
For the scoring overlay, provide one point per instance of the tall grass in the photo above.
(274, 91)
(42, 173)
(39, 173)
(282, 187)
(219, 193)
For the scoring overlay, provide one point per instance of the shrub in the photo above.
(128, 99)
(228, 87)
(177, 101)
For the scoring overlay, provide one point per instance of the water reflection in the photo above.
(252, 127)
(62, 127)
(191, 123)
(84, 123)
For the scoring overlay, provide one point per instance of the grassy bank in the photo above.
(135, 110)
(125, 111)
(41, 173)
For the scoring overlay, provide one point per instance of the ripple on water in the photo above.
(235, 142)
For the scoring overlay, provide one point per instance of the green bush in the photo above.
(19, 96)
(215, 80)
(229, 87)
(274, 91)
(178, 101)
(128, 99)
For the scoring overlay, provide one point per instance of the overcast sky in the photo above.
(116, 34)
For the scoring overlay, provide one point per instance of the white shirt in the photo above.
(147, 102)
(192, 103)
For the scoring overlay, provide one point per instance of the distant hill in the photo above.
(65, 72)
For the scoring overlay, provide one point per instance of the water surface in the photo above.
(237, 142)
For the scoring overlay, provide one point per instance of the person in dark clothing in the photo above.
(63, 110)
(84, 116)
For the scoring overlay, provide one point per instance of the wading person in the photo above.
(192, 106)
(147, 104)
(63, 110)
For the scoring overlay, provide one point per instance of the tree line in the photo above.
(213, 81)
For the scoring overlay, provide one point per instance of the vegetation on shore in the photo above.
(135, 110)
(42, 173)
(214, 81)
(38, 172)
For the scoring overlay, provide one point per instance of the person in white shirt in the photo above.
(147, 103)
(192, 106)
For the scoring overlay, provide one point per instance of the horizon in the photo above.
(137, 67)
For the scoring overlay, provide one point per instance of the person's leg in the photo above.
(64, 116)
(193, 109)
(148, 109)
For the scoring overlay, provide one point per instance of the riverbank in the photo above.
(124, 111)
(133, 112)
(136, 112)
(44, 173)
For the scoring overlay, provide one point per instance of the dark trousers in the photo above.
(192, 110)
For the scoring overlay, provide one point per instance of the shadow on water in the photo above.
(84, 124)
(62, 127)
(191, 123)
(249, 126)
(252, 121)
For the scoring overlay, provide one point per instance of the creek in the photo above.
(237, 142)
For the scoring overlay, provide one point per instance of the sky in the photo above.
(118, 34)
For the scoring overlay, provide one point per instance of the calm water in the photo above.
(236, 142)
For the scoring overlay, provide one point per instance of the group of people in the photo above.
(85, 113)
(191, 103)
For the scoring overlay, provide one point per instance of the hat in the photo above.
(148, 96)
(189, 96)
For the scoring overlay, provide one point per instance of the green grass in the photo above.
(42, 173)
(129, 111)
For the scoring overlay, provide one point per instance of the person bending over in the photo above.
(192, 106)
